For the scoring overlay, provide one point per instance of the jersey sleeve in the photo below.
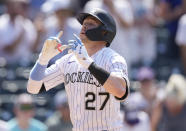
(53, 76)
(118, 67)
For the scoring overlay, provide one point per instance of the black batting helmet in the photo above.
(106, 31)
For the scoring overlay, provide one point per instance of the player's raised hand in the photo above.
(51, 48)
(80, 52)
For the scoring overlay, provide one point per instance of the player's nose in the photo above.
(84, 28)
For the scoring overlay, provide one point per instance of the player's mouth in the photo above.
(82, 32)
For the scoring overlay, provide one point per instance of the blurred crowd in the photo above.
(151, 36)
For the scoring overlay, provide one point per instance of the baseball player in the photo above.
(95, 76)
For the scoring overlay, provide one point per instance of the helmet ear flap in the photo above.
(106, 35)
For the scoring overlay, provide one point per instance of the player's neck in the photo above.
(92, 48)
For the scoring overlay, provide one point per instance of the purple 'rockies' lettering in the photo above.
(82, 77)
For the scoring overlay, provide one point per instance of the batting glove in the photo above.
(80, 52)
(51, 48)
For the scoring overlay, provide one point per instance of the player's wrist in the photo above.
(37, 72)
(99, 73)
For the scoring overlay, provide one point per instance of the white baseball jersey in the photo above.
(91, 107)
